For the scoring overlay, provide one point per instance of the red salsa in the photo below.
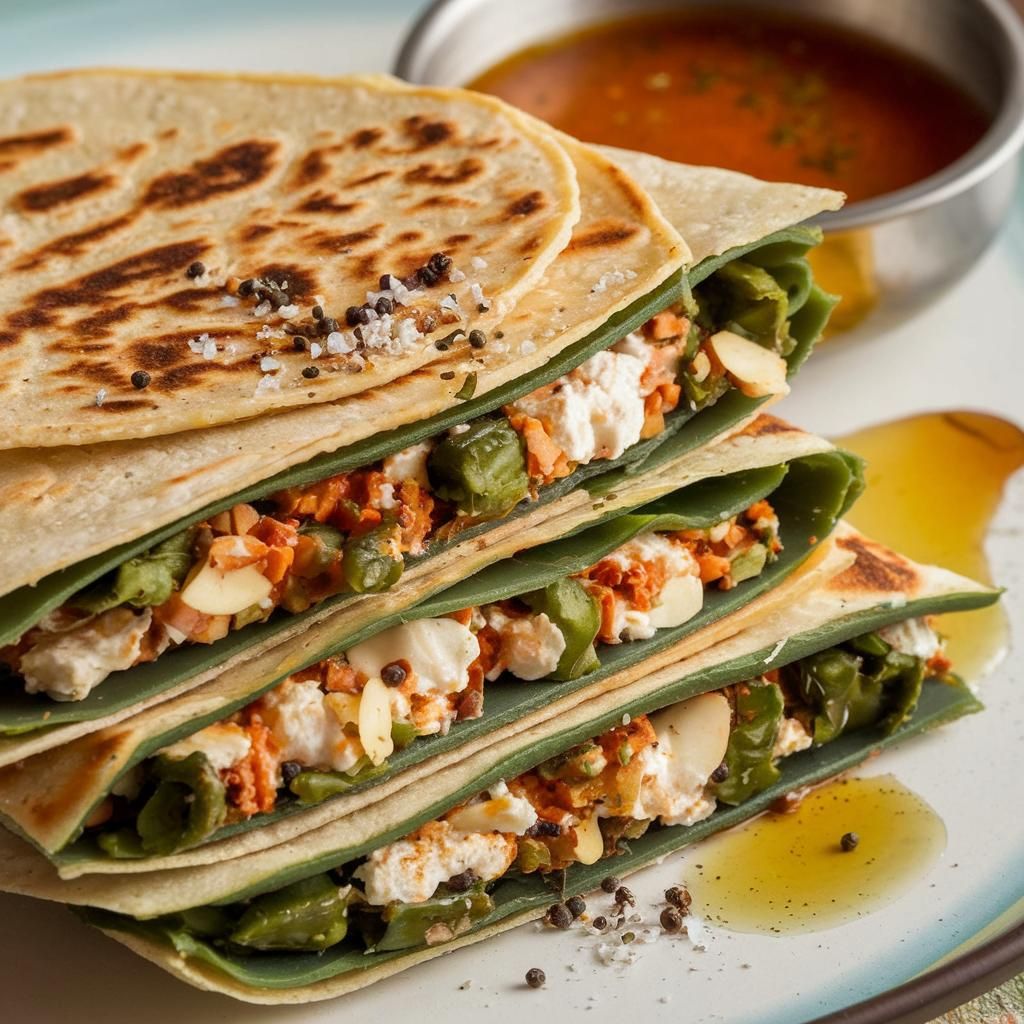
(781, 98)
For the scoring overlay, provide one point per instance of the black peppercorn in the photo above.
(394, 674)
(383, 306)
(849, 842)
(671, 919)
(352, 316)
(328, 325)
(310, 372)
(611, 883)
(141, 379)
(463, 880)
(721, 773)
(299, 343)
(577, 905)
(289, 769)
(600, 923)
(678, 897)
(477, 339)
(318, 312)
(428, 276)
(624, 896)
(559, 916)
(439, 263)
(535, 977)
(195, 270)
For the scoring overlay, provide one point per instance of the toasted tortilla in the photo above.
(116, 182)
(80, 771)
(138, 487)
(860, 587)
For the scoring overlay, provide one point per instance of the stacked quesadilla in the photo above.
(393, 520)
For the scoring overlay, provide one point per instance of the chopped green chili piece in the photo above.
(575, 612)
(308, 915)
(373, 562)
(188, 804)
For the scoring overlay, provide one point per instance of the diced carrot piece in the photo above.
(464, 616)
(545, 461)
(340, 677)
(233, 552)
(279, 561)
(665, 325)
(712, 566)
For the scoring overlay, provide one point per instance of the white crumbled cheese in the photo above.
(386, 497)
(664, 795)
(223, 743)
(456, 276)
(633, 344)
(497, 810)
(287, 312)
(612, 277)
(305, 729)
(409, 464)
(408, 333)
(440, 652)
(478, 296)
(792, 738)
(657, 549)
(267, 382)
(340, 343)
(636, 625)
(268, 364)
(912, 636)
(69, 665)
(101, 396)
(411, 869)
(531, 646)
(203, 346)
(396, 292)
(597, 411)
(315, 350)
(459, 428)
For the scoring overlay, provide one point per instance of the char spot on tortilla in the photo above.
(8, 337)
(368, 179)
(876, 569)
(605, 234)
(77, 243)
(233, 169)
(410, 236)
(365, 137)
(312, 167)
(34, 142)
(764, 426)
(95, 289)
(132, 152)
(189, 300)
(98, 325)
(324, 202)
(526, 204)
(161, 352)
(301, 284)
(454, 241)
(168, 133)
(344, 243)
(433, 202)
(444, 174)
(122, 405)
(42, 198)
(425, 133)
(26, 319)
(254, 232)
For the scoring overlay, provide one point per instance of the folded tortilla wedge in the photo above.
(386, 703)
(309, 540)
(793, 700)
(141, 201)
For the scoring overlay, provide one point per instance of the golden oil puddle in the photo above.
(787, 872)
(934, 482)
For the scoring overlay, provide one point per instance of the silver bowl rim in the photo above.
(996, 147)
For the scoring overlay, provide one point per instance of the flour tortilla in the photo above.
(136, 487)
(81, 761)
(859, 585)
(115, 182)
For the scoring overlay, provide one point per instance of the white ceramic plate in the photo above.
(966, 351)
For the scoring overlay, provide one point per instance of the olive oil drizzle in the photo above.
(789, 872)
(934, 483)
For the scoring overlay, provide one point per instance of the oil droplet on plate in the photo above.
(934, 482)
(788, 872)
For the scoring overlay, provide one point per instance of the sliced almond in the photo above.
(218, 592)
(589, 848)
(344, 707)
(696, 733)
(680, 599)
(375, 721)
(755, 370)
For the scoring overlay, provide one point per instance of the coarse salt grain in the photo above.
(478, 263)
(612, 277)
(268, 383)
(338, 343)
(315, 350)
(266, 331)
(478, 296)
(287, 312)
(268, 364)
(527, 348)
(101, 396)
(408, 334)
(450, 304)
(230, 300)
(262, 309)
(456, 276)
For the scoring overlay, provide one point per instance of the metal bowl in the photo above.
(890, 255)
